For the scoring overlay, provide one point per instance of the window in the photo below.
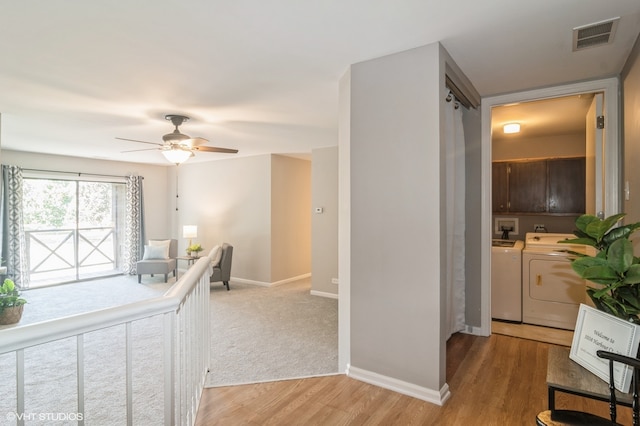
(74, 229)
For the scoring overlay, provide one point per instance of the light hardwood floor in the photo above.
(496, 380)
(533, 332)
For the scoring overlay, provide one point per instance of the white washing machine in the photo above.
(506, 285)
(551, 290)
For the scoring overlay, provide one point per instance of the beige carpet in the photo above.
(271, 333)
(47, 303)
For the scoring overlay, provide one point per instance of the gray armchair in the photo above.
(159, 264)
(222, 271)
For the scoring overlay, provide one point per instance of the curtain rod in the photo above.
(75, 173)
(459, 94)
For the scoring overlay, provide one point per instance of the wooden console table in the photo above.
(566, 375)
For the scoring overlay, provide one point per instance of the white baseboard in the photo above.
(288, 280)
(475, 331)
(400, 386)
(252, 282)
(267, 284)
(324, 294)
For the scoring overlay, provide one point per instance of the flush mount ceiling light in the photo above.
(511, 128)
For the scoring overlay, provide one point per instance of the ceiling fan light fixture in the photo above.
(178, 147)
(511, 128)
(177, 155)
(175, 137)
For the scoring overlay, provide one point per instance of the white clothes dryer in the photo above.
(551, 290)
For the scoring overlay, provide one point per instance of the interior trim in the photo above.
(400, 386)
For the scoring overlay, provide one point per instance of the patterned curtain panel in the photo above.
(134, 232)
(14, 248)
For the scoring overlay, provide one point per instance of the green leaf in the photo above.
(610, 306)
(598, 228)
(8, 286)
(581, 264)
(609, 222)
(623, 231)
(583, 222)
(633, 275)
(580, 234)
(620, 255)
(601, 275)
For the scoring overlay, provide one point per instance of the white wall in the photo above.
(396, 221)
(570, 145)
(156, 179)
(324, 229)
(260, 205)
(230, 201)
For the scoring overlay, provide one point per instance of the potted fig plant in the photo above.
(11, 303)
(614, 269)
(194, 250)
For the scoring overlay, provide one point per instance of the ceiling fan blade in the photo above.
(134, 140)
(143, 149)
(215, 149)
(196, 141)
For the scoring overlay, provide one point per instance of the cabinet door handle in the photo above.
(538, 280)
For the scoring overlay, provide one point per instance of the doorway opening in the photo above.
(606, 165)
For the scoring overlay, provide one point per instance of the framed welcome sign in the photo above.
(597, 330)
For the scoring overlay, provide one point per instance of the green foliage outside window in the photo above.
(51, 204)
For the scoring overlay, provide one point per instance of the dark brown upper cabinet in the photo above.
(541, 186)
(500, 182)
(567, 180)
(528, 187)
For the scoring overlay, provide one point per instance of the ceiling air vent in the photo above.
(594, 34)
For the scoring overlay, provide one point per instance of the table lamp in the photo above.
(189, 231)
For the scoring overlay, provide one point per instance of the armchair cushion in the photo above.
(155, 252)
(165, 244)
(216, 255)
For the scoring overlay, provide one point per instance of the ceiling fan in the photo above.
(178, 147)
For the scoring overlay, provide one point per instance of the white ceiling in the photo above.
(557, 116)
(260, 75)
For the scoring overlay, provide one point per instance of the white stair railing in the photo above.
(181, 336)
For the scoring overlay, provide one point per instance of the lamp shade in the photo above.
(177, 154)
(189, 231)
